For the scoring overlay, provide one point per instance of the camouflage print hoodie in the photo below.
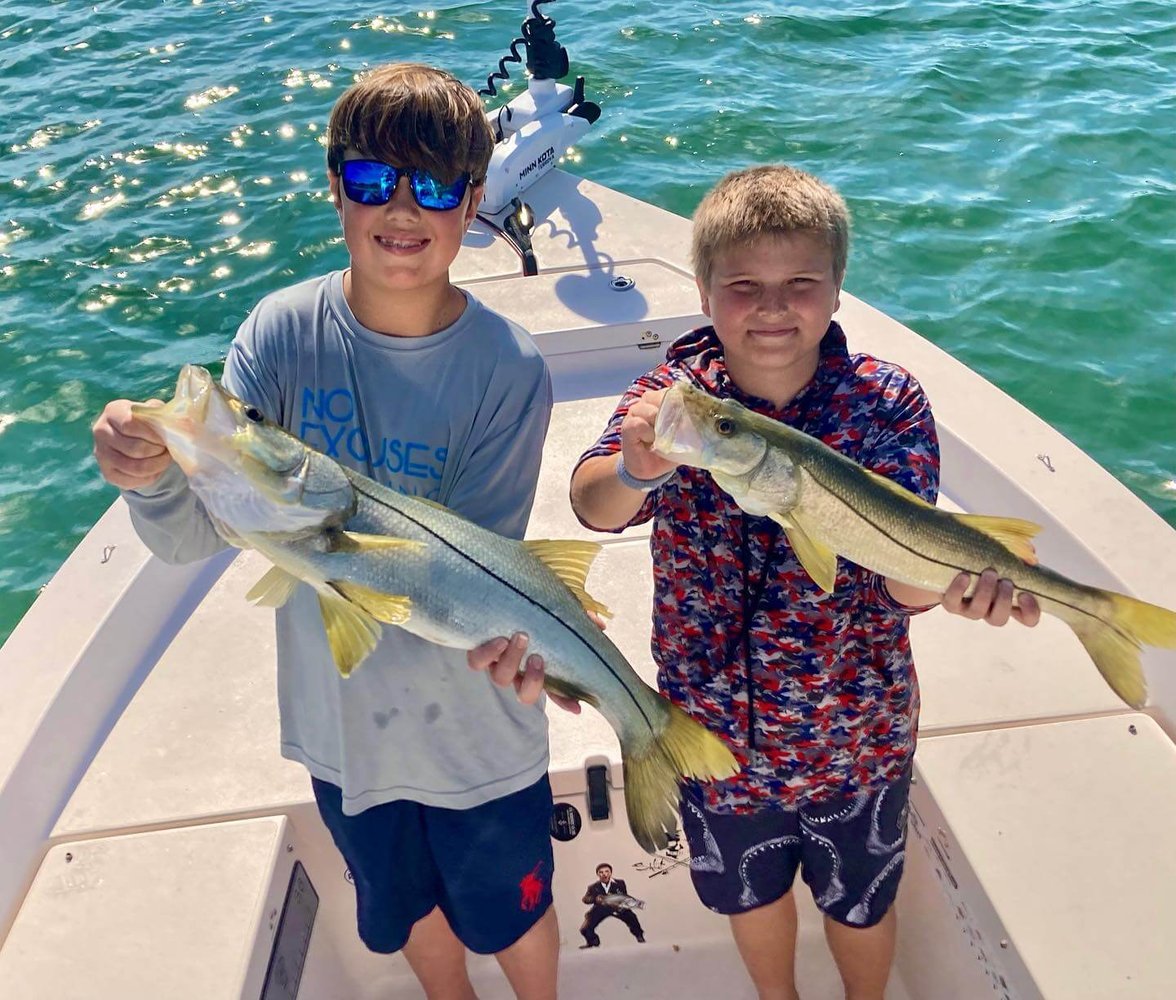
(815, 693)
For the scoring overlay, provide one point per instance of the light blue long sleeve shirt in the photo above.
(458, 417)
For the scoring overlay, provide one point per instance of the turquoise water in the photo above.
(1009, 165)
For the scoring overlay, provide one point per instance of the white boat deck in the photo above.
(1040, 814)
(189, 791)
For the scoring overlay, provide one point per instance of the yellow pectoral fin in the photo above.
(570, 561)
(273, 589)
(1012, 532)
(351, 633)
(818, 560)
(355, 541)
(393, 609)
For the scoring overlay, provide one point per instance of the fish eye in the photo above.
(725, 426)
(254, 414)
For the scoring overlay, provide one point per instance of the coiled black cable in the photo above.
(546, 58)
(502, 73)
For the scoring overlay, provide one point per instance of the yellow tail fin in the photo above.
(1149, 623)
(685, 749)
(1114, 644)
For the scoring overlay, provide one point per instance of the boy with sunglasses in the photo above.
(815, 693)
(431, 779)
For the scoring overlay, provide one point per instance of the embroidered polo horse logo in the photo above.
(532, 887)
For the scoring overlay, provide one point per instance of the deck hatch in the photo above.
(291, 943)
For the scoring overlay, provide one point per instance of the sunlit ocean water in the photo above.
(1010, 168)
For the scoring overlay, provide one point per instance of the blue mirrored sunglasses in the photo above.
(371, 182)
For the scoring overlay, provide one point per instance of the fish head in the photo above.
(695, 428)
(250, 474)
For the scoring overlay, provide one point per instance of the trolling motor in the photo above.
(537, 127)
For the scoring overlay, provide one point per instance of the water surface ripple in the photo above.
(1009, 166)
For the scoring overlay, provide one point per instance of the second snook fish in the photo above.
(829, 506)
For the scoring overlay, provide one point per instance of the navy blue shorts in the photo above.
(850, 851)
(488, 868)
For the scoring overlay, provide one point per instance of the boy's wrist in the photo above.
(642, 485)
(908, 600)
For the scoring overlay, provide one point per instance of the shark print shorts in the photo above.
(849, 851)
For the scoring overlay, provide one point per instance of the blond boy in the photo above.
(816, 694)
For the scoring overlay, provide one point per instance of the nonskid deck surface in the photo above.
(183, 913)
(199, 745)
(659, 970)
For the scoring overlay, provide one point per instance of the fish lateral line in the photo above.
(1038, 595)
(453, 547)
(905, 546)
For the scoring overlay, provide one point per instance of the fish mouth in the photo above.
(675, 433)
(194, 388)
(185, 418)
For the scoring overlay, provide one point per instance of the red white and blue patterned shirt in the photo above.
(818, 698)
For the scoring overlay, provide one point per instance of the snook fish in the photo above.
(374, 555)
(829, 506)
(623, 901)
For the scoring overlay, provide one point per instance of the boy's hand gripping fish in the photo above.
(374, 555)
(829, 506)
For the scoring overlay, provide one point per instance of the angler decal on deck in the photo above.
(327, 423)
(608, 897)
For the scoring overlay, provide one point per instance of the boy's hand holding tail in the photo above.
(130, 453)
(992, 601)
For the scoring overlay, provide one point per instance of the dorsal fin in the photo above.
(570, 560)
(1012, 532)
